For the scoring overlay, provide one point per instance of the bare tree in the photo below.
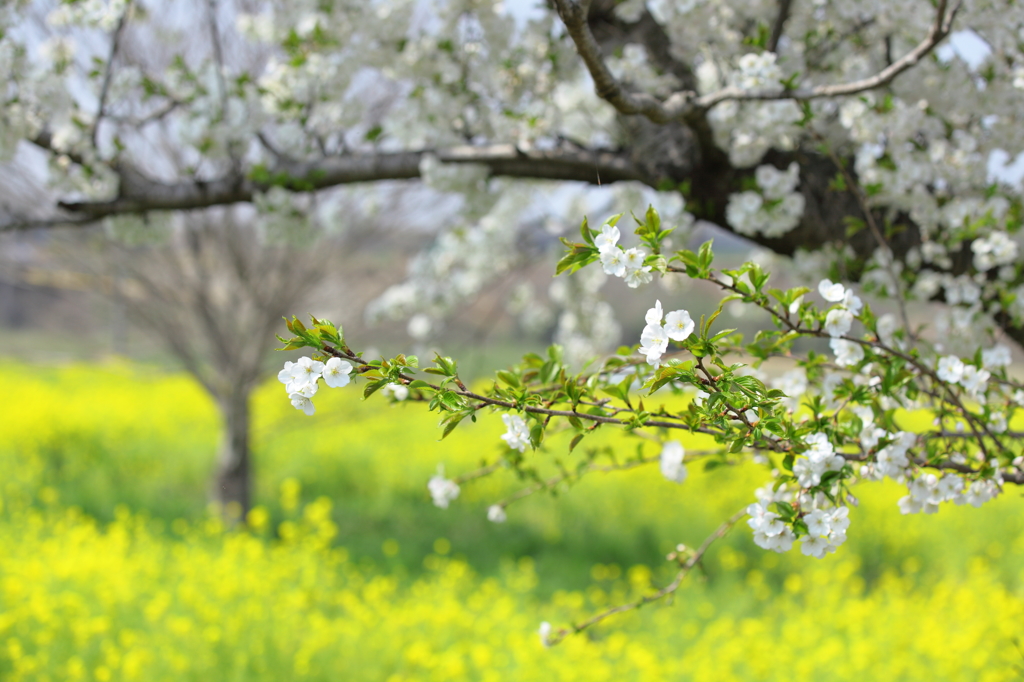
(215, 294)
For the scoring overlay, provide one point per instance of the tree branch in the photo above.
(669, 589)
(686, 106)
(139, 193)
(108, 74)
(780, 24)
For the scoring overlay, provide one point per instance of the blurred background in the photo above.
(165, 514)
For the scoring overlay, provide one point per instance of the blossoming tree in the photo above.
(860, 138)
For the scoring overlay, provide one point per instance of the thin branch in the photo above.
(854, 188)
(108, 74)
(218, 55)
(669, 589)
(154, 116)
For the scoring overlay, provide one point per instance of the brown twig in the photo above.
(669, 589)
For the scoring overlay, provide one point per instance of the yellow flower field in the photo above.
(145, 593)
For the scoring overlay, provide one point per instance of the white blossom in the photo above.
(678, 325)
(336, 372)
(653, 343)
(613, 260)
(838, 321)
(848, 353)
(794, 384)
(608, 239)
(993, 250)
(397, 391)
(769, 531)
(496, 514)
(634, 258)
(759, 72)
(302, 402)
(852, 302)
(834, 292)
(672, 466)
(545, 633)
(951, 368)
(815, 546)
(301, 376)
(637, 276)
(517, 435)
(442, 490)
(974, 380)
(654, 314)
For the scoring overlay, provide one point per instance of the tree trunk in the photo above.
(232, 481)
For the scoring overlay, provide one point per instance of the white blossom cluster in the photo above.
(301, 378)
(102, 14)
(774, 210)
(748, 130)
(628, 264)
(655, 337)
(820, 458)
(769, 531)
(758, 73)
(973, 379)
(826, 531)
(840, 317)
(993, 250)
(826, 523)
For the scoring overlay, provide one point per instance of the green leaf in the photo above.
(585, 232)
(786, 510)
(705, 255)
(374, 386)
(536, 434)
(509, 378)
(575, 441)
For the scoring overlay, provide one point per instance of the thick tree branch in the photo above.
(139, 193)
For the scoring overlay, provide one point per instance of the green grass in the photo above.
(98, 437)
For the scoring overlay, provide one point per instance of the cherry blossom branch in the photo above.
(669, 589)
(687, 106)
(951, 397)
(486, 401)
